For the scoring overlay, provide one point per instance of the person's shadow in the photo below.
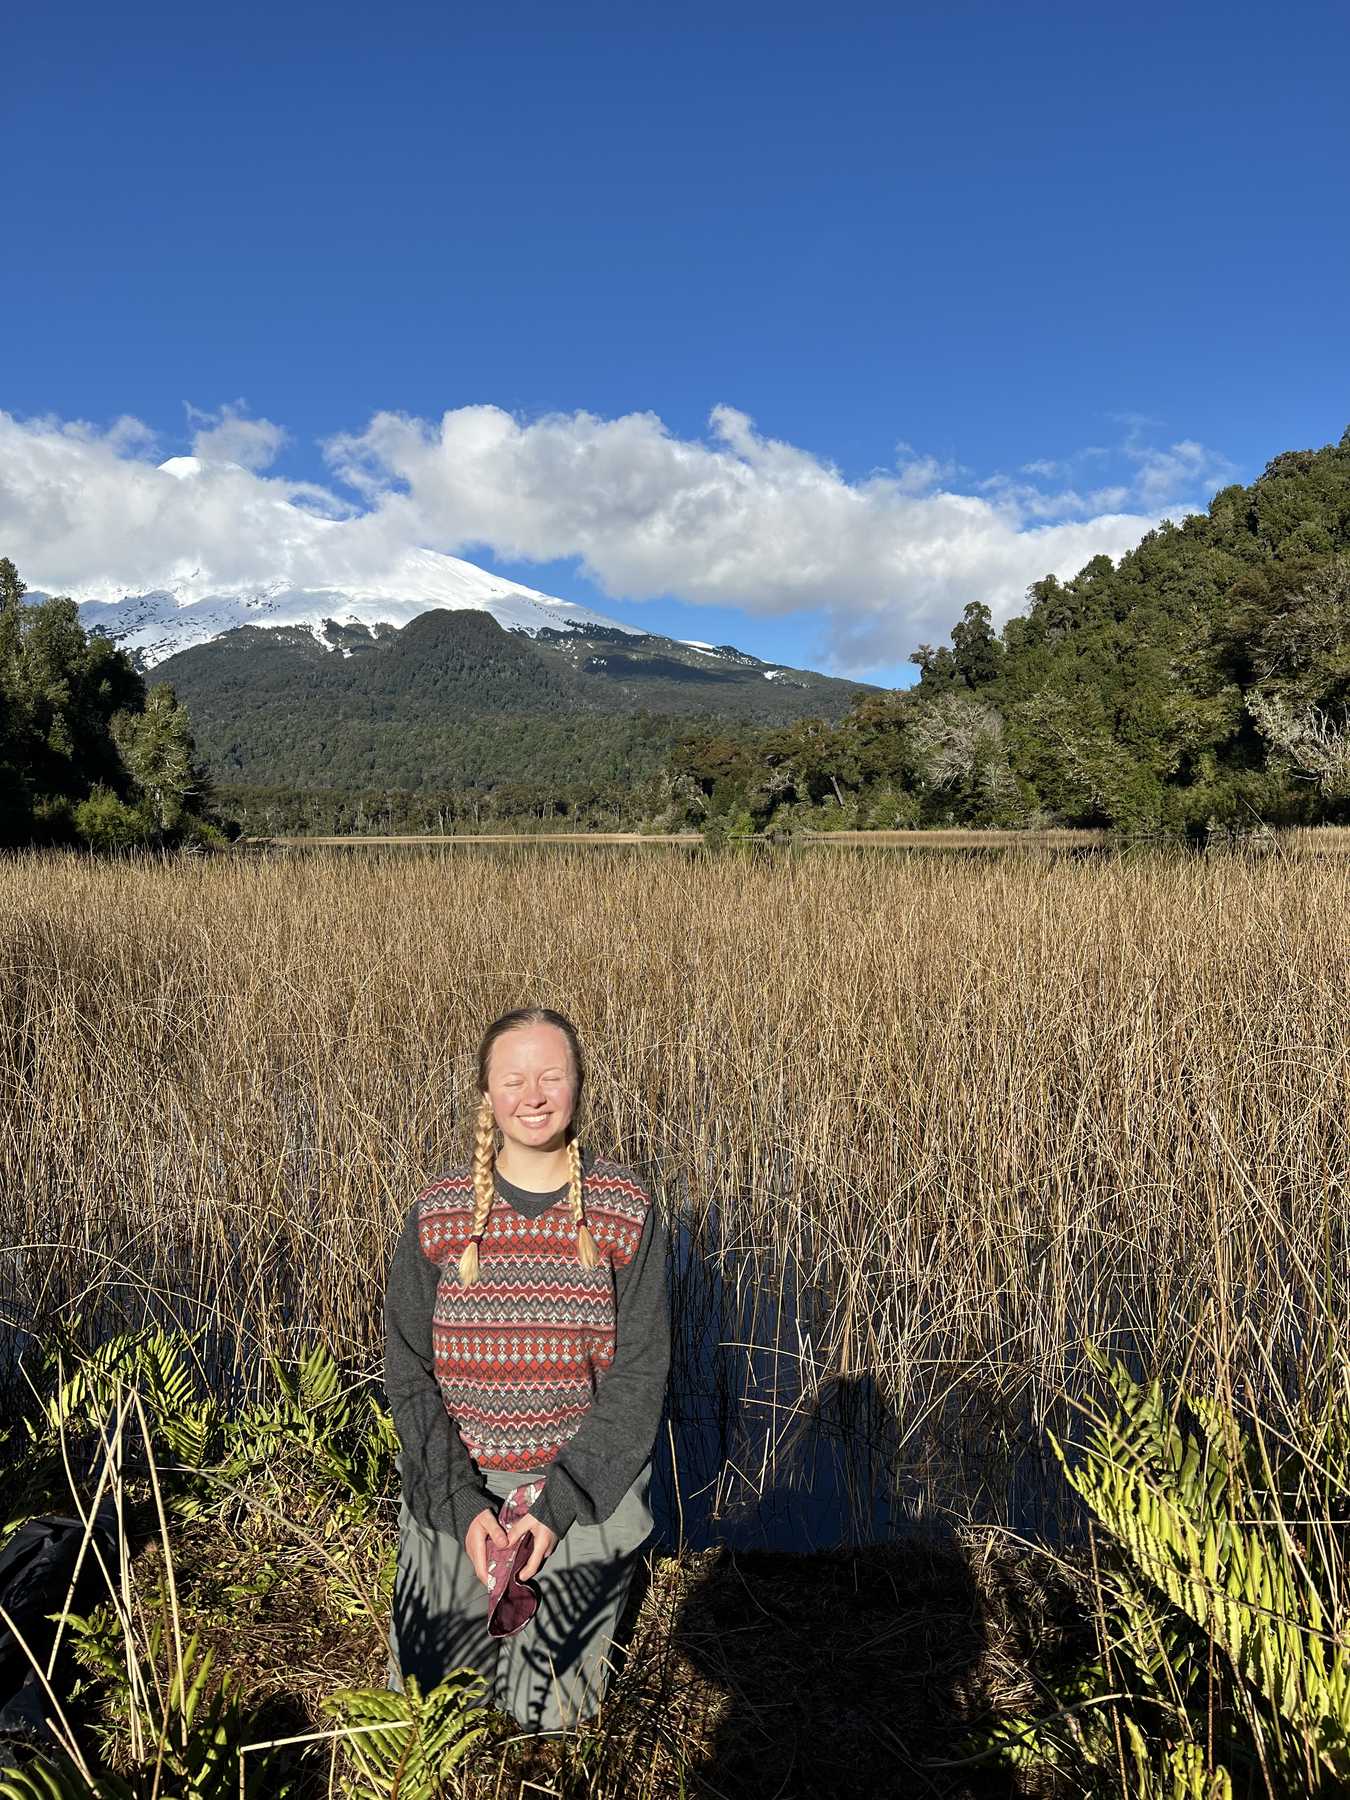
(814, 1643)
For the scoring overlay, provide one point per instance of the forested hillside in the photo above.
(1202, 684)
(478, 722)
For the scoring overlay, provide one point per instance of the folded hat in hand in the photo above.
(511, 1603)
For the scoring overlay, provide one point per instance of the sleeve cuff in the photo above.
(555, 1507)
(463, 1507)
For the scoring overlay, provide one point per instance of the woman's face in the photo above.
(532, 1085)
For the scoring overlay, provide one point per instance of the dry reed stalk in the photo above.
(972, 1111)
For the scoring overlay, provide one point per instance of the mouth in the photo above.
(534, 1120)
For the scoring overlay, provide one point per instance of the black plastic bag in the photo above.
(36, 1567)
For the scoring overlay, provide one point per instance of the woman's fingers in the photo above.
(473, 1543)
(544, 1542)
(486, 1529)
(532, 1564)
(476, 1545)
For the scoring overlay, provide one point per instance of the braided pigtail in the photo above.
(587, 1253)
(484, 1164)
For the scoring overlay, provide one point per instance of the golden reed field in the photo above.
(986, 1107)
(964, 1114)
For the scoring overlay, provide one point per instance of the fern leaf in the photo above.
(423, 1736)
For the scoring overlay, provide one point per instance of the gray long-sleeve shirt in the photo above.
(590, 1474)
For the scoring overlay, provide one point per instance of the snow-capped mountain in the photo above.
(154, 626)
(330, 571)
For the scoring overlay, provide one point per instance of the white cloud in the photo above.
(80, 515)
(737, 519)
(917, 473)
(231, 436)
(1186, 467)
(748, 521)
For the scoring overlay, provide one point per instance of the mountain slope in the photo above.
(453, 699)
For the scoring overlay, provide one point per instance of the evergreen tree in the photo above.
(12, 591)
(84, 756)
(157, 747)
(976, 650)
(15, 805)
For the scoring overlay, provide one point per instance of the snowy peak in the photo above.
(192, 610)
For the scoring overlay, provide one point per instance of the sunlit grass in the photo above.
(977, 1111)
(966, 1114)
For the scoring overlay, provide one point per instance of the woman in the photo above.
(526, 1338)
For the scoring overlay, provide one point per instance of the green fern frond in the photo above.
(417, 1738)
(1203, 1528)
(153, 1361)
(57, 1778)
(189, 1434)
(1183, 1773)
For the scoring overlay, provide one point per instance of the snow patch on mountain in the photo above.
(319, 569)
(187, 611)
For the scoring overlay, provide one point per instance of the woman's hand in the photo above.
(545, 1541)
(485, 1529)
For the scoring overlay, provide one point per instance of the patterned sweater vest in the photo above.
(520, 1354)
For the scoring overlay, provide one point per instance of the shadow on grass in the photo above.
(806, 1639)
(856, 1673)
(837, 1670)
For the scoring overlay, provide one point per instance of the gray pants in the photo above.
(551, 1674)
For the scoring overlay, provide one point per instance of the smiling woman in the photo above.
(526, 1353)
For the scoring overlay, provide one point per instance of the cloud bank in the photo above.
(736, 519)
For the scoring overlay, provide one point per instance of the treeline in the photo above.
(310, 749)
(86, 755)
(260, 810)
(1201, 686)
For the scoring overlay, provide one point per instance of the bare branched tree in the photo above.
(952, 734)
(1315, 745)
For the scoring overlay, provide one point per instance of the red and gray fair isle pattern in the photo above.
(520, 1353)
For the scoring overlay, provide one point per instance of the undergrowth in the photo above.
(245, 1564)
(1222, 1614)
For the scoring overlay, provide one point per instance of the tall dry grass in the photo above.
(969, 1112)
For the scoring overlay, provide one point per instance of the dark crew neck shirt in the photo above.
(525, 1200)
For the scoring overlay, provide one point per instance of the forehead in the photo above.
(530, 1047)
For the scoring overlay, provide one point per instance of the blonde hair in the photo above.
(485, 1145)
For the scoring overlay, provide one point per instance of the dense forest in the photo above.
(456, 703)
(1200, 686)
(87, 754)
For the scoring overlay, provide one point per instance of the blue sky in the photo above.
(977, 288)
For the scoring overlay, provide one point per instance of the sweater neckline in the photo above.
(525, 1200)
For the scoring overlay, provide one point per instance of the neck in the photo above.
(539, 1170)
